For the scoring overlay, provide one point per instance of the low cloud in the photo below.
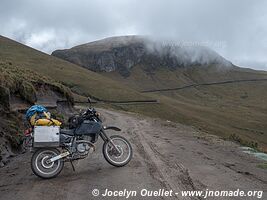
(235, 29)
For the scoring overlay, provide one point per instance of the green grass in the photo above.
(25, 82)
(238, 109)
(262, 166)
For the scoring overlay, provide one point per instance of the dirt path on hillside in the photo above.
(204, 84)
(167, 156)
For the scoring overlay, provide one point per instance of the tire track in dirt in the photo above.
(174, 175)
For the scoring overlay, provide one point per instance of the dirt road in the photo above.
(167, 156)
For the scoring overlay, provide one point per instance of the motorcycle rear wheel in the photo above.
(43, 169)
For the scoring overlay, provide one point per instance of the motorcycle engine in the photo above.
(83, 147)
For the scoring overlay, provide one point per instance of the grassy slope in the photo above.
(236, 110)
(24, 82)
(162, 78)
(77, 78)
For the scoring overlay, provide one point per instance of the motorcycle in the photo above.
(77, 142)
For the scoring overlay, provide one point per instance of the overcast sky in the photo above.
(237, 29)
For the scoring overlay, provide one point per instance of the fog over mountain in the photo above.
(235, 29)
(123, 53)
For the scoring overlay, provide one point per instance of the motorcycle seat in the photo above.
(67, 131)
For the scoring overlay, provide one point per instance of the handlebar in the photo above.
(91, 113)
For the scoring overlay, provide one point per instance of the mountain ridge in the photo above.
(122, 53)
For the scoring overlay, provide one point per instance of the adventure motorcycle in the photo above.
(76, 143)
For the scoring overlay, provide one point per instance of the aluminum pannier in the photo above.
(46, 136)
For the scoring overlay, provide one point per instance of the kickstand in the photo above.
(73, 168)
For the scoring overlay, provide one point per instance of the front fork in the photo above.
(105, 138)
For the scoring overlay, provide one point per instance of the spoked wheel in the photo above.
(119, 156)
(44, 169)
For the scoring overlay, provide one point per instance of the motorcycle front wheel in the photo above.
(115, 158)
(44, 169)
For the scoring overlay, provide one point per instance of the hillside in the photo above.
(80, 80)
(221, 99)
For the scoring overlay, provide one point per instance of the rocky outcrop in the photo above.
(119, 58)
(123, 53)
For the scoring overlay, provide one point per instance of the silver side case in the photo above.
(46, 136)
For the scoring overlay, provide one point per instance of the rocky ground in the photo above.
(167, 155)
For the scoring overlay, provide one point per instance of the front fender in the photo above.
(112, 128)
